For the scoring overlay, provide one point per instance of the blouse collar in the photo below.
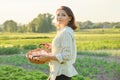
(62, 28)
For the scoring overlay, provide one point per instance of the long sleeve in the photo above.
(66, 41)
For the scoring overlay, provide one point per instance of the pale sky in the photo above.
(24, 11)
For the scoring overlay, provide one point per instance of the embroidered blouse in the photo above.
(64, 48)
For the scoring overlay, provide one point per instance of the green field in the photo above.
(84, 40)
(98, 55)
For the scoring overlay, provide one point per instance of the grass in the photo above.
(8, 72)
(94, 47)
(84, 41)
(100, 53)
(87, 67)
(21, 60)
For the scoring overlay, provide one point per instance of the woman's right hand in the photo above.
(47, 46)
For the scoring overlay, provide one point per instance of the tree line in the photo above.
(43, 23)
(91, 25)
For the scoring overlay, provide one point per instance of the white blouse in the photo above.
(64, 48)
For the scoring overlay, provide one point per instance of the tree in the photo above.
(0, 28)
(98, 25)
(88, 24)
(116, 25)
(43, 23)
(22, 28)
(78, 26)
(10, 26)
(107, 25)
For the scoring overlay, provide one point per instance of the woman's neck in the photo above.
(61, 26)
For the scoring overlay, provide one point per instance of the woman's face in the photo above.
(62, 18)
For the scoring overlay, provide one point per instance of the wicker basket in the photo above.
(34, 57)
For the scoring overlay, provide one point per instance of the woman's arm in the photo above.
(66, 52)
(49, 56)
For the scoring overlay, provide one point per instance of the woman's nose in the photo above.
(59, 17)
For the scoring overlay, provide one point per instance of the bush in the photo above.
(78, 78)
(29, 46)
(9, 50)
(15, 73)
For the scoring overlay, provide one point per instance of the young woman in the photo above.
(63, 54)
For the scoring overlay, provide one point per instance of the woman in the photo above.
(63, 53)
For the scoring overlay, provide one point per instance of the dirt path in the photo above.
(109, 58)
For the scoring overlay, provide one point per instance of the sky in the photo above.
(24, 11)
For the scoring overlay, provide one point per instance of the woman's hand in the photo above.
(48, 47)
(43, 53)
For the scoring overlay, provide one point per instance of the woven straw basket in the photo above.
(34, 57)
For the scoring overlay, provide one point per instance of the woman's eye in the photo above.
(58, 14)
(63, 15)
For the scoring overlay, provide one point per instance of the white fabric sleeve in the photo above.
(66, 47)
(59, 57)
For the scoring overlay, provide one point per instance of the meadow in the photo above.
(98, 55)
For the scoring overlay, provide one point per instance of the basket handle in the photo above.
(46, 46)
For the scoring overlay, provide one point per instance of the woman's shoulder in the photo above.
(68, 30)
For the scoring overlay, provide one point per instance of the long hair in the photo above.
(70, 14)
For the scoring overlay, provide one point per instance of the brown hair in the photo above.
(70, 14)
